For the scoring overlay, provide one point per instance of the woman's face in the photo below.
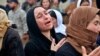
(94, 25)
(43, 19)
(46, 4)
(85, 3)
(56, 2)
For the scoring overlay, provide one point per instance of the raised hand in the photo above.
(55, 47)
(95, 52)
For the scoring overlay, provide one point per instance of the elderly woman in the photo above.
(41, 34)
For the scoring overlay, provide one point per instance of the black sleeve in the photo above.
(98, 40)
(67, 50)
(31, 50)
(13, 45)
(52, 53)
(63, 54)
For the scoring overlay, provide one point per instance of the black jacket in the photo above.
(67, 50)
(60, 35)
(12, 45)
(38, 45)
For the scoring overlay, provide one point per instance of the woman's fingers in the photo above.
(54, 46)
(98, 53)
(95, 52)
(84, 53)
(61, 42)
(53, 43)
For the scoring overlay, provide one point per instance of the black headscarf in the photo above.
(39, 40)
(33, 27)
(53, 14)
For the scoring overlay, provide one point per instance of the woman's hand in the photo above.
(95, 52)
(55, 47)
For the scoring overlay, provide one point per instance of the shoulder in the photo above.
(30, 48)
(12, 31)
(10, 12)
(60, 35)
(11, 34)
(67, 50)
(11, 37)
(31, 45)
(24, 4)
(22, 11)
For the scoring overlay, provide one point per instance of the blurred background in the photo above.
(3, 2)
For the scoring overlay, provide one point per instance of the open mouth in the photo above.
(48, 22)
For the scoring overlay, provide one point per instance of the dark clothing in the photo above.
(67, 50)
(98, 3)
(60, 36)
(7, 7)
(98, 40)
(26, 6)
(2, 7)
(12, 45)
(38, 45)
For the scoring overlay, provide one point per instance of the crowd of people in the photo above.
(50, 28)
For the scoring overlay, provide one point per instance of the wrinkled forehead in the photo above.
(38, 10)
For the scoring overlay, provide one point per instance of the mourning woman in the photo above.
(43, 41)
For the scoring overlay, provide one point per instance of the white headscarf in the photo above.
(61, 28)
(79, 2)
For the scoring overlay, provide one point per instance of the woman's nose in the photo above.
(45, 17)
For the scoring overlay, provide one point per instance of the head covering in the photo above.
(16, 1)
(80, 1)
(78, 34)
(4, 24)
(35, 34)
(61, 28)
(31, 22)
(53, 14)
